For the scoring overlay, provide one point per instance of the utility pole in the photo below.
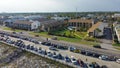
(76, 13)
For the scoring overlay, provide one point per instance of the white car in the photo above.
(73, 60)
(118, 61)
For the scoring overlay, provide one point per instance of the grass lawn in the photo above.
(76, 40)
(44, 34)
(67, 33)
(116, 45)
(69, 39)
(62, 32)
(16, 30)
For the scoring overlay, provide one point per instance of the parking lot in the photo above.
(108, 33)
(110, 64)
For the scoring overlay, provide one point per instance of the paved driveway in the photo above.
(108, 33)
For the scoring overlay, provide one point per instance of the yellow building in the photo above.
(80, 23)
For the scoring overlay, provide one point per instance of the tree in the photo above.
(97, 31)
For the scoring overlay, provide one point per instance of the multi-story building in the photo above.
(27, 25)
(51, 25)
(81, 23)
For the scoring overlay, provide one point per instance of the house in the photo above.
(51, 25)
(11, 19)
(26, 25)
(1, 20)
(32, 17)
(8, 22)
(116, 15)
(97, 29)
(60, 18)
(80, 23)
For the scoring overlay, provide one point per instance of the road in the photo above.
(82, 47)
(108, 33)
(107, 41)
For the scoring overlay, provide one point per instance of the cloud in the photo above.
(58, 5)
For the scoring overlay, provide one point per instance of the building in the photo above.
(9, 22)
(60, 18)
(51, 25)
(116, 15)
(11, 19)
(26, 25)
(117, 30)
(97, 29)
(80, 23)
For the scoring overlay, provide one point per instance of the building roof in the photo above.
(81, 20)
(40, 19)
(51, 23)
(23, 22)
(94, 27)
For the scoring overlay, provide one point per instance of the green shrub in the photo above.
(90, 39)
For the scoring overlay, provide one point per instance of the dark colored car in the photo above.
(53, 48)
(67, 59)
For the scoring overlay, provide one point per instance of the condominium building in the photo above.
(27, 25)
(51, 25)
(81, 23)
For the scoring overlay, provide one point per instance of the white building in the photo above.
(27, 25)
(97, 29)
(116, 15)
(59, 18)
(34, 25)
(117, 30)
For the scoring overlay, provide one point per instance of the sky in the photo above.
(58, 5)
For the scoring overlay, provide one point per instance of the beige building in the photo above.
(80, 23)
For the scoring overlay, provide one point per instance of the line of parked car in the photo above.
(95, 55)
(55, 47)
(83, 52)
